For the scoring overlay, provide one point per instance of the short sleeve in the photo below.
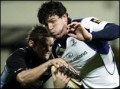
(16, 62)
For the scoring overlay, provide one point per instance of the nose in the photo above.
(49, 48)
(50, 26)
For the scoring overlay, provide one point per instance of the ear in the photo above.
(31, 43)
(65, 16)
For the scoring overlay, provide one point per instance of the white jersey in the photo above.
(96, 70)
(94, 60)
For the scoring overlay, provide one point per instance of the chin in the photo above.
(47, 57)
(59, 36)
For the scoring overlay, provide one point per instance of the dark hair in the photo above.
(38, 34)
(49, 9)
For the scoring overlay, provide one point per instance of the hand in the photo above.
(60, 80)
(80, 32)
(57, 62)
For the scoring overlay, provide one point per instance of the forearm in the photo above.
(31, 75)
(110, 32)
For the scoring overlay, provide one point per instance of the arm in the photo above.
(98, 30)
(110, 32)
(29, 76)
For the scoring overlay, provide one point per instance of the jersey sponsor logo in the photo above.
(70, 55)
(95, 20)
(81, 55)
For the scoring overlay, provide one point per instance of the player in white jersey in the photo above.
(94, 70)
(92, 55)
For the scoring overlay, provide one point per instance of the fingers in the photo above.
(78, 36)
(72, 35)
(59, 62)
(63, 77)
(67, 80)
(76, 30)
(74, 26)
(60, 80)
(59, 73)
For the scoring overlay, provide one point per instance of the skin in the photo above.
(45, 51)
(59, 28)
(60, 80)
(80, 32)
(29, 76)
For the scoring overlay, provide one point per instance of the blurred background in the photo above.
(17, 18)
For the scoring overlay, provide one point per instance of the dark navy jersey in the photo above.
(21, 59)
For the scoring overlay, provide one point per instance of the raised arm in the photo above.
(94, 29)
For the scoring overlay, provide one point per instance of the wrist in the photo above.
(90, 39)
(49, 63)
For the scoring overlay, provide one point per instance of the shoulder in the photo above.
(17, 54)
(93, 23)
(83, 19)
(93, 19)
(20, 51)
(88, 20)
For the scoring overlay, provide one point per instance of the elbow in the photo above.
(114, 30)
(21, 79)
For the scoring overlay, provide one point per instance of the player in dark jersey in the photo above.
(29, 67)
(90, 31)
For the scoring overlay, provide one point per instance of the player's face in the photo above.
(57, 25)
(44, 51)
